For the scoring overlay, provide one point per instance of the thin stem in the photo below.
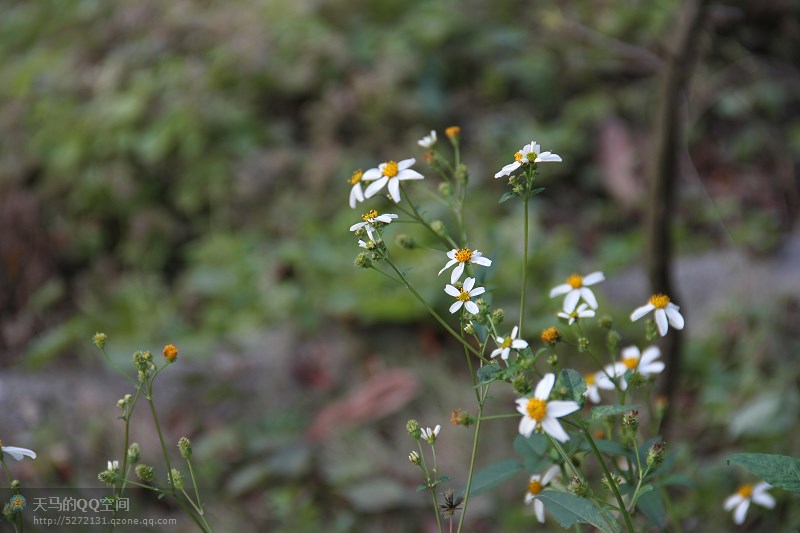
(676, 523)
(149, 397)
(117, 368)
(436, 509)
(611, 482)
(472, 459)
(524, 267)
(497, 417)
(563, 454)
(194, 484)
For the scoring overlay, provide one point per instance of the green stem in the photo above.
(676, 523)
(149, 397)
(472, 459)
(563, 454)
(497, 417)
(524, 267)
(436, 509)
(117, 368)
(611, 482)
(194, 484)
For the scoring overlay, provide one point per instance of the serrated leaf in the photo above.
(779, 471)
(569, 510)
(488, 373)
(570, 386)
(602, 411)
(481, 331)
(651, 505)
(533, 447)
(506, 196)
(492, 476)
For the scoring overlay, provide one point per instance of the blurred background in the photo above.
(176, 172)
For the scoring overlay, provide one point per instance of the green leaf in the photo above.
(779, 471)
(680, 480)
(651, 505)
(537, 191)
(569, 510)
(570, 386)
(421, 487)
(481, 331)
(609, 447)
(488, 373)
(603, 411)
(492, 476)
(506, 196)
(533, 447)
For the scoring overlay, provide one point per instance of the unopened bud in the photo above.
(498, 315)
(362, 260)
(145, 472)
(412, 426)
(185, 447)
(522, 385)
(414, 458)
(438, 227)
(655, 455)
(175, 479)
(606, 322)
(99, 340)
(406, 241)
(578, 487)
(445, 189)
(550, 336)
(583, 344)
(134, 451)
(459, 417)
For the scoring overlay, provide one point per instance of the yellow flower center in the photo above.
(537, 409)
(452, 131)
(506, 343)
(463, 255)
(170, 351)
(355, 178)
(532, 157)
(659, 301)
(575, 281)
(589, 379)
(390, 169)
(535, 487)
(745, 491)
(631, 362)
(518, 157)
(550, 335)
(366, 217)
(464, 296)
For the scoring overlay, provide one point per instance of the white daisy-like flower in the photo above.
(356, 192)
(530, 153)
(666, 313)
(369, 221)
(592, 388)
(428, 141)
(740, 501)
(464, 296)
(540, 414)
(460, 257)
(430, 434)
(644, 363)
(536, 484)
(577, 287)
(582, 311)
(391, 173)
(113, 465)
(506, 344)
(17, 453)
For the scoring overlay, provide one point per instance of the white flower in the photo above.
(113, 465)
(18, 453)
(582, 311)
(740, 501)
(644, 363)
(356, 194)
(369, 222)
(576, 288)
(530, 153)
(666, 312)
(463, 296)
(428, 141)
(505, 344)
(390, 172)
(535, 486)
(430, 435)
(539, 414)
(461, 257)
(592, 388)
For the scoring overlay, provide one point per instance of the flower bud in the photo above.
(612, 341)
(438, 228)
(185, 446)
(655, 455)
(583, 344)
(469, 329)
(630, 424)
(106, 476)
(134, 452)
(175, 479)
(462, 174)
(412, 426)
(651, 331)
(578, 487)
(445, 189)
(606, 322)
(522, 385)
(362, 260)
(453, 133)
(15, 485)
(550, 336)
(498, 315)
(99, 340)
(406, 241)
(459, 417)
(552, 359)
(414, 458)
(170, 352)
(145, 472)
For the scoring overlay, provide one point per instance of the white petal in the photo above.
(409, 174)
(639, 312)
(468, 284)
(538, 509)
(763, 499)
(356, 195)
(559, 408)
(529, 498)
(649, 355)
(544, 386)
(588, 297)
(551, 426)
(452, 254)
(522, 405)
(514, 332)
(357, 225)
(562, 314)
(732, 501)
(674, 316)
(371, 174)
(394, 190)
(496, 352)
(519, 344)
(550, 474)
(558, 290)
(456, 306)
(480, 260)
(652, 368)
(526, 426)
(472, 307)
(593, 394)
(588, 313)
(631, 352)
(448, 265)
(457, 271)
(477, 291)
(505, 353)
(593, 278)
(547, 157)
(661, 322)
(571, 300)
(741, 511)
(375, 186)
(405, 163)
(452, 291)
(19, 453)
(437, 429)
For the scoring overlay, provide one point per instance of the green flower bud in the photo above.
(651, 330)
(583, 344)
(15, 485)
(606, 322)
(655, 455)
(462, 174)
(522, 385)
(362, 260)
(414, 458)
(185, 447)
(99, 340)
(612, 341)
(412, 426)
(134, 452)
(438, 227)
(498, 315)
(469, 328)
(106, 476)
(175, 479)
(406, 241)
(445, 189)
(552, 359)
(145, 472)
(578, 487)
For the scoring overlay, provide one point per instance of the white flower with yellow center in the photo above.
(430, 434)
(17, 453)
(530, 153)
(582, 311)
(369, 221)
(506, 344)
(577, 287)
(666, 313)
(391, 173)
(428, 141)
(740, 501)
(644, 363)
(541, 415)
(592, 388)
(460, 257)
(464, 296)
(536, 484)
(356, 193)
